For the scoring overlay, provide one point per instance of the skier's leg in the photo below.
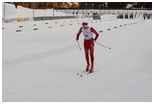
(87, 59)
(86, 54)
(92, 57)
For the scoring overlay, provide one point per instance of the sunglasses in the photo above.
(85, 25)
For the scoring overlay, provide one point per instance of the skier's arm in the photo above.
(78, 34)
(95, 32)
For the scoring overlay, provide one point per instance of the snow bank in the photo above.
(21, 12)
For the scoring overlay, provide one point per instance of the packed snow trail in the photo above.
(42, 65)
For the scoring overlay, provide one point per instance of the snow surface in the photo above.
(21, 12)
(42, 65)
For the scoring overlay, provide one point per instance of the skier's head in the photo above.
(85, 25)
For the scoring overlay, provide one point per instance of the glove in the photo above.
(94, 40)
(77, 39)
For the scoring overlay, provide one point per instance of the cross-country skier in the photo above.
(88, 44)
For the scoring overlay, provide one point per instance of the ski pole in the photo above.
(103, 45)
(79, 45)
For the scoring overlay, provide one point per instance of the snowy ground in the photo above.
(41, 65)
(12, 12)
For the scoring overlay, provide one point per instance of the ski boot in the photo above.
(91, 69)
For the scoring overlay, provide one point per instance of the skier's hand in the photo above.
(94, 40)
(77, 39)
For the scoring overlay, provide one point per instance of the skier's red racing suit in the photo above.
(88, 44)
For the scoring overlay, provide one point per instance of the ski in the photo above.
(83, 74)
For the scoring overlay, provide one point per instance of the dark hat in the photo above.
(84, 23)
